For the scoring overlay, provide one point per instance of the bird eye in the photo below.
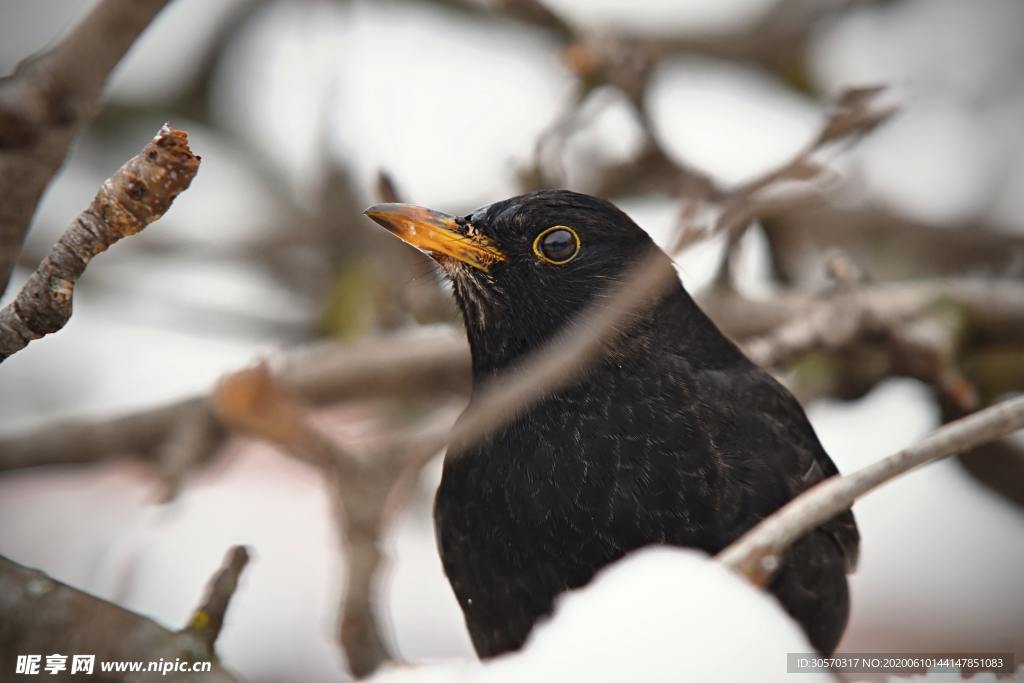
(557, 245)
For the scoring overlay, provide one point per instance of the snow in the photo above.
(678, 615)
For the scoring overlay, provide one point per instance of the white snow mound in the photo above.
(661, 614)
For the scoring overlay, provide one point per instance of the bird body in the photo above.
(672, 436)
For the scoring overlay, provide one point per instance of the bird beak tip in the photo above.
(434, 233)
(376, 211)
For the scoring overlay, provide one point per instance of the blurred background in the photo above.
(297, 106)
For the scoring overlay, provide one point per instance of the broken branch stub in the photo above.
(139, 193)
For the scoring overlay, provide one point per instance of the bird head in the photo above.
(523, 267)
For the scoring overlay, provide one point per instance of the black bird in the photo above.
(673, 436)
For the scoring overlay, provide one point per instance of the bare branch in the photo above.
(253, 401)
(855, 113)
(756, 554)
(45, 103)
(422, 362)
(890, 246)
(776, 40)
(781, 328)
(208, 619)
(39, 615)
(89, 441)
(135, 196)
(187, 445)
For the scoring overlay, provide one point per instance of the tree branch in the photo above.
(135, 196)
(855, 113)
(890, 246)
(208, 619)
(39, 615)
(422, 362)
(776, 40)
(254, 402)
(46, 101)
(757, 553)
(793, 322)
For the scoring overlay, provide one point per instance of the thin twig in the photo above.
(995, 309)
(855, 113)
(139, 193)
(756, 553)
(44, 104)
(189, 444)
(776, 40)
(208, 619)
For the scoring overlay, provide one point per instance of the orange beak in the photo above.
(437, 234)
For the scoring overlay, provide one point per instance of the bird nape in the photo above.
(672, 436)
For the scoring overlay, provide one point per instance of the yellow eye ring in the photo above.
(539, 246)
